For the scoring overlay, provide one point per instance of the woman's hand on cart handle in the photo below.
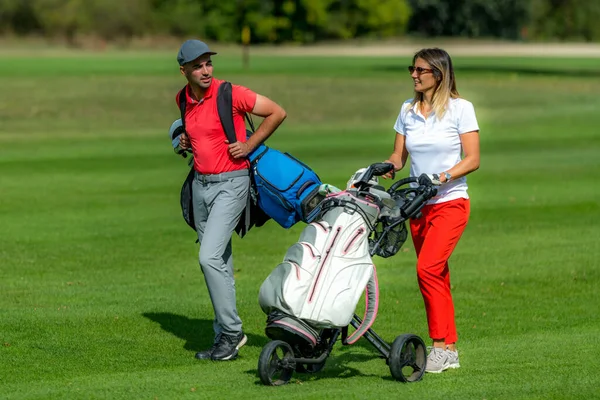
(435, 179)
(391, 174)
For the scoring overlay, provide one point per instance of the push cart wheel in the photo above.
(309, 368)
(407, 358)
(276, 363)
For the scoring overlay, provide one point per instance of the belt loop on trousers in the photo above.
(212, 178)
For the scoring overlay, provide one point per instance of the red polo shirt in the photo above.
(203, 126)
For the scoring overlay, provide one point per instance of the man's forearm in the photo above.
(266, 129)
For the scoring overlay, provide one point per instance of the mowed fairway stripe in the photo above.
(101, 292)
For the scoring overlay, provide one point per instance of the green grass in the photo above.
(101, 294)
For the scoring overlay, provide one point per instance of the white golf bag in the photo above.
(324, 274)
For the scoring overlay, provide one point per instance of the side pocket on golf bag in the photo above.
(288, 190)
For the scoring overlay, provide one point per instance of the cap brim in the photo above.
(199, 55)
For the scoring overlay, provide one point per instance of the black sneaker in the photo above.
(228, 346)
(206, 354)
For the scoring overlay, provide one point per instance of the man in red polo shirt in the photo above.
(221, 183)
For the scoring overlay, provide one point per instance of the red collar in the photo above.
(212, 89)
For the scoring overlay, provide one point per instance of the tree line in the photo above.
(302, 21)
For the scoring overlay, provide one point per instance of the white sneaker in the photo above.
(437, 360)
(453, 359)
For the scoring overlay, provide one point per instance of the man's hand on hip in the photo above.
(239, 149)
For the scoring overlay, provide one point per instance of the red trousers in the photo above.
(435, 236)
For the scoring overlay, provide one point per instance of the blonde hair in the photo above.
(441, 63)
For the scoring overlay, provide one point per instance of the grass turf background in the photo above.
(102, 296)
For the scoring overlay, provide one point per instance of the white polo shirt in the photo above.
(434, 145)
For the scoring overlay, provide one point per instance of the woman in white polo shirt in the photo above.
(439, 131)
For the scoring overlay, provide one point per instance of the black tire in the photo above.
(276, 364)
(408, 358)
(309, 368)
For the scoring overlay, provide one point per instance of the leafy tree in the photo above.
(471, 18)
(62, 17)
(113, 19)
(178, 17)
(307, 21)
(17, 16)
(303, 21)
(565, 20)
(268, 20)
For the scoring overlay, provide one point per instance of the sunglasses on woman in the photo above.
(420, 70)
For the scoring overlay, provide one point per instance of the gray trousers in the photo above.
(218, 204)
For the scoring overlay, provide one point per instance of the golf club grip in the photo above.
(414, 205)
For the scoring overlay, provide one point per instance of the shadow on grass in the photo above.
(336, 366)
(507, 69)
(197, 333)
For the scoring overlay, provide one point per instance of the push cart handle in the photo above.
(402, 182)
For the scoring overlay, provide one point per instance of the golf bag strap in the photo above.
(225, 109)
(182, 101)
(250, 122)
(372, 304)
(252, 214)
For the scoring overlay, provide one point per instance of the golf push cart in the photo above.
(298, 344)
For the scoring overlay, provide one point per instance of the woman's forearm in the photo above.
(464, 167)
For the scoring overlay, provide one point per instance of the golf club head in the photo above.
(361, 177)
(175, 132)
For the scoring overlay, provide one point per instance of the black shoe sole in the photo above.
(231, 357)
(203, 356)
